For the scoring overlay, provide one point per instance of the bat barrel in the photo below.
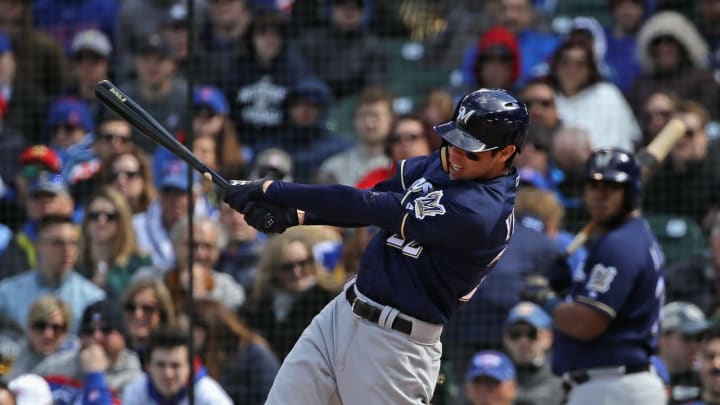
(117, 101)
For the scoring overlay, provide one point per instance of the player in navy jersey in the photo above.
(445, 221)
(607, 328)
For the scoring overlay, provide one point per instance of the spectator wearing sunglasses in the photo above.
(102, 367)
(47, 332)
(129, 173)
(538, 96)
(528, 338)
(148, 307)
(289, 291)
(109, 253)
(410, 136)
(113, 137)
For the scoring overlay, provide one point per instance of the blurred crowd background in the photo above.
(94, 236)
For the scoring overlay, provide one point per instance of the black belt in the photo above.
(583, 376)
(372, 313)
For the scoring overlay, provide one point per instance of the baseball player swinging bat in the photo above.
(650, 158)
(114, 98)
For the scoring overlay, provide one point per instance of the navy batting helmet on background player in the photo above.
(607, 329)
(444, 223)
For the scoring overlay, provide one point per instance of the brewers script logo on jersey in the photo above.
(429, 205)
(600, 278)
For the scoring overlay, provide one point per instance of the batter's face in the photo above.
(604, 200)
(477, 165)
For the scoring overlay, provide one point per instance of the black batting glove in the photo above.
(240, 192)
(270, 218)
(537, 289)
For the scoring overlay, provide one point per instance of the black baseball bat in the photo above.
(116, 100)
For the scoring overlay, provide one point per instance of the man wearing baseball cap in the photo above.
(90, 54)
(153, 226)
(103, 361)
(682, 328)
(490, 379)
(46, 193)
(71, 128)
(528, 338)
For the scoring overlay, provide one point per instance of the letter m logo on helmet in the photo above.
(486, 119)
(463, 115)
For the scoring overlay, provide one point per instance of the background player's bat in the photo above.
(649, 158)
(114, 98)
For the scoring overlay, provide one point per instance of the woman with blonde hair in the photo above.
(290, 289)
(238, 358)
(47, 332)
(130, 173)
(109, 255)
(148, 307)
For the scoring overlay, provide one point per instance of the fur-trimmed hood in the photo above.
(679, 27)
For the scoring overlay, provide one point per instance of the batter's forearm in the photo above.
(337, 204)
(314, 219)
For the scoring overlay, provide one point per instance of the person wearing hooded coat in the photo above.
(674, 58)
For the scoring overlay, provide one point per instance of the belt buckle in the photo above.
(352, 308)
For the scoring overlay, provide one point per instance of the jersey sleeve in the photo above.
(610, 276)
(340, 204)
(347, 206)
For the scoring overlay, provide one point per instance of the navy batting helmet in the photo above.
(616, 166)
(486, 119)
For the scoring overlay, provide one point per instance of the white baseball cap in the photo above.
(31, 389)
